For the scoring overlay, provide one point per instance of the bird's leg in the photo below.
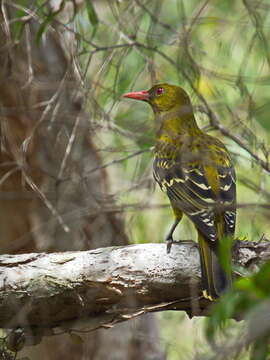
(169, 237)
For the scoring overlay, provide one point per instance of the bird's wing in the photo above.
(190, 190)
(227, 196)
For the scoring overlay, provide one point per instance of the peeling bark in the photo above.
(107, 285)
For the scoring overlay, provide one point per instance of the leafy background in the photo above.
(219, 52)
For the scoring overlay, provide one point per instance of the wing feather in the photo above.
(228, 196)
(189, 190)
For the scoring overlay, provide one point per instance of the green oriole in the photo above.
(196, 172)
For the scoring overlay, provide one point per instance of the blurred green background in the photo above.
(219, 52)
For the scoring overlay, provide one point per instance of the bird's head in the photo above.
(163, 97)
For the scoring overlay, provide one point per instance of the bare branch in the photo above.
(108, 285)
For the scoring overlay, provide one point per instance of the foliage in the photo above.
(249, 300)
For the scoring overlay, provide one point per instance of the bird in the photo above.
(196, 172)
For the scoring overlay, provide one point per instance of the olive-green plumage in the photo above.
(196, 172)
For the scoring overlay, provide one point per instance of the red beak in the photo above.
(138, 95)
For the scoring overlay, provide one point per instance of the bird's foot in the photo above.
(169, 242)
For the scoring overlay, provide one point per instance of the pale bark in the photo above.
(107, 285)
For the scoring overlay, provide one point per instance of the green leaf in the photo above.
(47, 22)
(225, 253)
(261, 114)
(92, 15)
(245, 284)
(262, 279)
(222, 311)
(17, 26)
(250, 291)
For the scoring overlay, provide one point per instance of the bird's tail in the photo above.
(214, 278)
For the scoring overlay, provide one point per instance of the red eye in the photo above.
(160, 91)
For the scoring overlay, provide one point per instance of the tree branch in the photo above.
(107, 285)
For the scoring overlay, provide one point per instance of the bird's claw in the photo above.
(169, 242)
(169, 245)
